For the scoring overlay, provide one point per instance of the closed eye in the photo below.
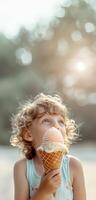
(61, 122)
(45, 121)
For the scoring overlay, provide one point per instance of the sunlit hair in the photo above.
(36, 108)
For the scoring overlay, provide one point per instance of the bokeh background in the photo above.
(48, 46)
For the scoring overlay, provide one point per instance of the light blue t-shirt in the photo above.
(64, 192)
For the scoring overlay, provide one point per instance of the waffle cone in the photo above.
(51, 160)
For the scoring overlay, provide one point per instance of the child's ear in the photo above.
(27, 135)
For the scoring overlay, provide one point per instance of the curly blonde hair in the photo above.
(32, 110)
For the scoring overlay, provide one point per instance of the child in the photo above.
(29, 126)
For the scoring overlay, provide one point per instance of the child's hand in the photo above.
(50, 182)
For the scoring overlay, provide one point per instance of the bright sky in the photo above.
(17, 13)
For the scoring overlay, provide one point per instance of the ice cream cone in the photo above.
(52, 149)
(52, 160)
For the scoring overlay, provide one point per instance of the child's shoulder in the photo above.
(74, 161)
(20, 165)
(75, 165)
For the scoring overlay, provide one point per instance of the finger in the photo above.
(55, 179)
(56, 182)
(56, 175)
(53, 173)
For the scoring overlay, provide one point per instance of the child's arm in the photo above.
(20, 181)
(79, 191)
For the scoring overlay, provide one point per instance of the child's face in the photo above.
(42, 124)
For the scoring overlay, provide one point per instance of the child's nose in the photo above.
(56, 125)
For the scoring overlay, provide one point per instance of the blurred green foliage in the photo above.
(39, 61)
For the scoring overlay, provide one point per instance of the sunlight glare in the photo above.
(80, 66)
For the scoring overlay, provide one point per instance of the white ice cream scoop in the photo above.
(52, 141)
(53, 135)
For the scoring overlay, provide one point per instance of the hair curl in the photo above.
(32, 110)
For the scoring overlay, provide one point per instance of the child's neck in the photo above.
(38, 166)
